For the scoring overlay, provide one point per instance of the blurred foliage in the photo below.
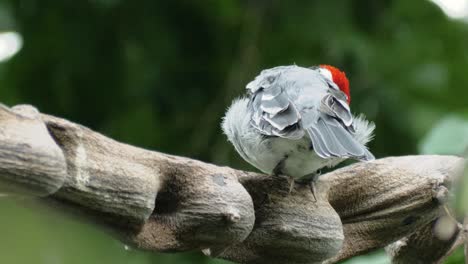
(448, 136)
(160, 74)
(33, 233)
(376, 257)
(461, 194)
(458, 257)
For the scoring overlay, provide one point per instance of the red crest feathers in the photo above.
(339, 78)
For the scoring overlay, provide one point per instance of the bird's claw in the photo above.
(291, 186)
(311, 180)
(313, 190)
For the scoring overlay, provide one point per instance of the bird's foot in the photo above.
(313, 190)
(291, 184)
(278, 171)
(311, 179)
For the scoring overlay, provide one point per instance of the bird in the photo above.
(296, 120)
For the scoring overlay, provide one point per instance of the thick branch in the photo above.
(423, 246)
(383, 201)
(166, 203)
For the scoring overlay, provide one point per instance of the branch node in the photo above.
(26, 110)
(232, 215)
(440, 193)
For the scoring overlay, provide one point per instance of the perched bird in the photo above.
(295, 121)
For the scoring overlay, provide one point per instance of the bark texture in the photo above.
(167, 203)
(422, 247)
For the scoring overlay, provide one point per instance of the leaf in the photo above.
(448, 136)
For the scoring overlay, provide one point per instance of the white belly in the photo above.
(299, 158)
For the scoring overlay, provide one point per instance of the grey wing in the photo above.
(330, 126)
(331, 129)
(274, 114)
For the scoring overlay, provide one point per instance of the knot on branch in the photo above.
(231, 215)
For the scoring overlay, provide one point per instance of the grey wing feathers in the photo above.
(329, 124)
(331, 129)
(331, 139)
(273, 112)
(338, 108)
(318, 142)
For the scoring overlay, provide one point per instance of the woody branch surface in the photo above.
(161, 202)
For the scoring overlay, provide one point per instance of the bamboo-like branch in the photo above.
(166, 203)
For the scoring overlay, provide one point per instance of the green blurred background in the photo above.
(160, 74)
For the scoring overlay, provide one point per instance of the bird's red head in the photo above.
(339, 78)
